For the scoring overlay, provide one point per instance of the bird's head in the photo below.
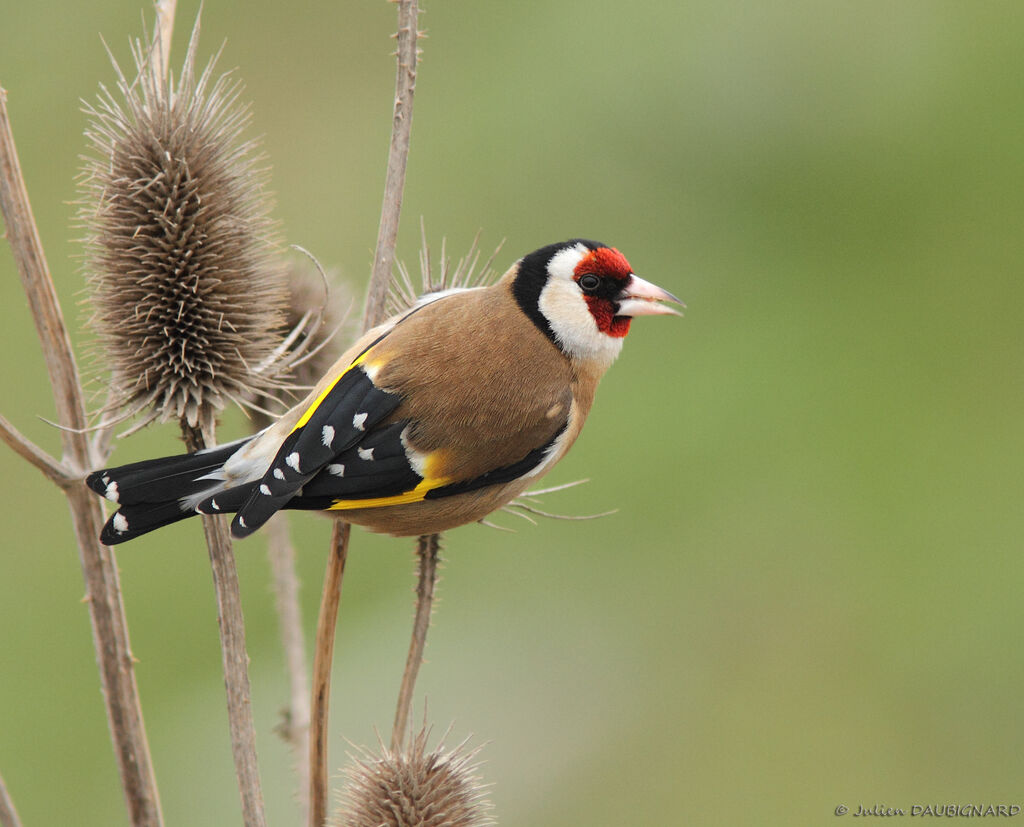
(583, 295)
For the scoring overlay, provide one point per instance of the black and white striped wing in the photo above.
(336, 421)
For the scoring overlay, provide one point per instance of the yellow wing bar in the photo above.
(414, 495)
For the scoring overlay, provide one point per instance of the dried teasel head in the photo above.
(414, 788)
(180, 250)
(316, 328)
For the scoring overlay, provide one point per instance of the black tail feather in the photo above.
(132, 521)
(150, 493)
(227, 502)
(160, 480)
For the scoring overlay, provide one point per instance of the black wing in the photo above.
(336, 421)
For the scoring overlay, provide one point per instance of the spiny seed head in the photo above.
(313, 332)
(319, 310)
(414, 788)
(187, 298)
(403, 292)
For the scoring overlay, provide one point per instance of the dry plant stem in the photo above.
(427, 552)
(32, 453)
(8, 815)
(398, 154)
(232, 641)
(99, 566)
(281, 553)
(324, 655)
(374, 313)
(235, 660)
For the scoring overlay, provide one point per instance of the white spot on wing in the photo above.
(292, 460)
(120, 523)
(278, 474)
(365, 453)
(265, 489)
(337, 469)
(328, 435)
(359, 421)
(112, 492)
(241, 522)
(214, 506)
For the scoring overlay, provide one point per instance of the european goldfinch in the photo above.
(431, 420)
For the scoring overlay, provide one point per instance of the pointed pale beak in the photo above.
(640, 298)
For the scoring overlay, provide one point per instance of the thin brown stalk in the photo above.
(398, 155)
(427, 554)
(295, 728)
(234, 658)
(8, 815)
(99, 566)
(198, 436)
(374, 313)
(322, 658)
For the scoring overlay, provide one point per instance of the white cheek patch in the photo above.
(573, 324)
(563, 263)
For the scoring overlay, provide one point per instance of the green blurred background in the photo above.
(811, 594)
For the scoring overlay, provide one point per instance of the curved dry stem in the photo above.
(427, 554)
(32, 453)
(234, 658)
(322, 659)
(99, 566)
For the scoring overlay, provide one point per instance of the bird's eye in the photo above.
(589, 283)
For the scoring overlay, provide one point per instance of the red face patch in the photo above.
(604, 261)
(609, 263)
(603, 312)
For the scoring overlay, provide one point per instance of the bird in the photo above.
(435, 418)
